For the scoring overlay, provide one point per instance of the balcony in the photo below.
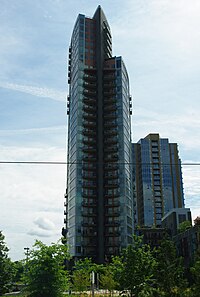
(89, 166)
(64, 232)
(110, 108)
(109, 77)
(88, 185)
(89, 203)
(109, 85)
(112, 140)
(113, 243)
(110, 100)
(89, 78)
(89, 159)
(90, 109)
(111, 167)
(85, 233)
(89, 132)
(111, 116)
(112, 223)
(89, 116)
(87, 149)
(110, 133)
(113, 195)
(89, 93)
(87, 176)
(111, 176)
(88, 223)
(112, 149)
(89, 75)
(90, 101)
(88, 195)
(89, 141)
(110, 125)
(90, 125)
(111, 158)
(112, 203)
(85, 213)
(114, 213)
(112, 186)
(109, 92)
(112, 234)
(89, 86)
(88, 243)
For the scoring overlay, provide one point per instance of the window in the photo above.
(78, 249)
(181, 218)
(118, 63)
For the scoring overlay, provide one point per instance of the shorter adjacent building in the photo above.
(175, 217)
(157, 179)
(188, 244)
(188, 241)
(152, 236)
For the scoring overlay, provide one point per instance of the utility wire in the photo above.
(91, 162)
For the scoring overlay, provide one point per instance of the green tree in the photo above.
(18, 267)
(197, 221)
(81, 275)
(134, 270)
(6, 270)
(45, 273)
(184, 226)
(81, 280)
(169, 272)
(195, 271)
(107, 279)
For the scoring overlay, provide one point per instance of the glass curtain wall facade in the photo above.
(157, 179)
(99, 204)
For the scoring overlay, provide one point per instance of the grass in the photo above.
(66, 295)
(99, 294)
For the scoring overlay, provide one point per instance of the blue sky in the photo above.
(159, 41)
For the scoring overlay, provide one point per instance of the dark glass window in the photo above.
(118, 63)
(181, 218)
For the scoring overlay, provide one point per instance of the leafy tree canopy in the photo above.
(169, 272)
(45, 272)
(6, 271)
(184, 226)
(197, 221)
(134, 269)
(195, 271)
(81, 276)
(107, 279)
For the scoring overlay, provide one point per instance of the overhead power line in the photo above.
(91, 162)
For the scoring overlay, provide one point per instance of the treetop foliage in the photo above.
(139, 271)
(184, 226)
(6, 269)
(45, 274)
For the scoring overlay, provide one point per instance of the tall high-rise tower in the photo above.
(99, 204)
(157, 179)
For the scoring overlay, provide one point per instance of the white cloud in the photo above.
(44, 223)
(31, 197)
(182, 128)
(171, 23)
(192, 181)
(32, 130)
(39, 233)
(35, 91)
